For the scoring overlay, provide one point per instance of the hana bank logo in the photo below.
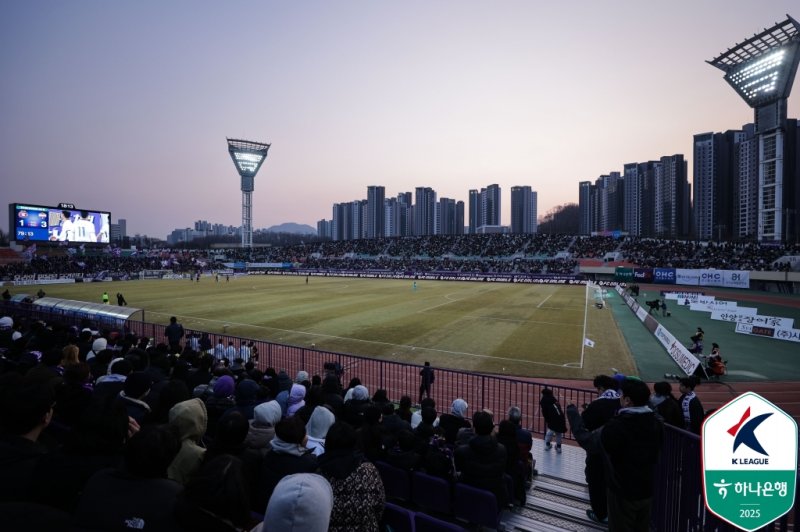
(744, 433)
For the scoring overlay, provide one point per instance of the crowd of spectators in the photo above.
(106, 431)
(489, 253)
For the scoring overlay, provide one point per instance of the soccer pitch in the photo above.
(511, 329)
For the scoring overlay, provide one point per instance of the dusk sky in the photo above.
(125, 105)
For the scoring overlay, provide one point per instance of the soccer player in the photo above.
(66, 230)
(104, 235)
(84, 228)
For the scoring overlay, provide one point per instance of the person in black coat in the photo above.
(482, 461)
(554, 418)
(139, 496)
(288, 455)
(691, 406)
(665, 405)
(630, 444)
(594, 416)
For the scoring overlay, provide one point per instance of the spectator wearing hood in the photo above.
(301, 502)
(296, 399)
(262, 426)
(220, 401)
(284, 386)
(190, 420)
(288, 455)
(353, 411)
(6, 332)
(451, 423)
(97, 345)
(317, 428)
(358, 493)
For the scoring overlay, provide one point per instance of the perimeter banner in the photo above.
(687, 277)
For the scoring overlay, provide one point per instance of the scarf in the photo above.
(687, 418)
(609, 394)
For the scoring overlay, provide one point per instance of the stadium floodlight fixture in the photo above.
(762, 69)
(247, 156)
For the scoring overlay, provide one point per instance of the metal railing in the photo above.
(678, 497)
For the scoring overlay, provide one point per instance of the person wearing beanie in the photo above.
(219, 402)
(247, 397)
(302, 376)
(300, 503)
(134, 390)
(296, 400)
(321, 420)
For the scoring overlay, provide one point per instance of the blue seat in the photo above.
(476, 506)
(396, 481)
(426, 523)
(398, 518)
(431, 493)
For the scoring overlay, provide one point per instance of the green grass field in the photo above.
(521, 330)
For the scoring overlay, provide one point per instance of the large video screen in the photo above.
(36, 223)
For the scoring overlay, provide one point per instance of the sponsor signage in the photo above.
(749, 449)
(623, 275)
(643, 275)
(677, 351)
(753, 319)
(664, 275)
(687, 277)
(779, 333)
(736, 279)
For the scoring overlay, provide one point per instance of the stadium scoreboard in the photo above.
(64, 223)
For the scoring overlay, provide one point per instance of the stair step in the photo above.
(563, 490)
(538, 518)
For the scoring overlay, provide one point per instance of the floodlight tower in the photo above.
(761, 70)
(248, 157)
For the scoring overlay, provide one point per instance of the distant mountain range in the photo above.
(298, 229)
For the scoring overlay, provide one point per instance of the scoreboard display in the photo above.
(66, 223)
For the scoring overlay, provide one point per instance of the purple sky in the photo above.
(125, 106)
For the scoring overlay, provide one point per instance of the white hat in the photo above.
(6, 322)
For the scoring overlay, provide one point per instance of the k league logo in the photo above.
(749, 462)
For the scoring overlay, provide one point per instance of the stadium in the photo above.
(437, 382)
(496, 329)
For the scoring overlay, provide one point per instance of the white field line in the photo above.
(449, 301)
(585, 319)
(479, 317)
(543, 301)
(401, 346)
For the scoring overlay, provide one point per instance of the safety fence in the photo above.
(678, 502)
